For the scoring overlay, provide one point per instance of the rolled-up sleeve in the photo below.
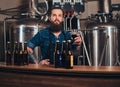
(34, 41)
(30, 44)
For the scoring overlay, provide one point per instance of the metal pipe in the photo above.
(105, 6)
(78, 24)
(4, 31)
(5, 37)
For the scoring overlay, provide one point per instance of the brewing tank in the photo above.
(102, 43)
(22, 30)
(101, 36)
(26, 28)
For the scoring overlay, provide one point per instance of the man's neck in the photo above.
(57, 33)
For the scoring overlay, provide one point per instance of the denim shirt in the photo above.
(46, 40)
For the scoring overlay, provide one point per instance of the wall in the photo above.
(90, 7)
(7, 4)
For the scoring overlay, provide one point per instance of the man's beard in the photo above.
(55, 27)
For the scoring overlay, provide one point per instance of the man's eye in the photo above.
(53, 15)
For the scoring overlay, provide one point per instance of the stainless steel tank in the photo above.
(24, 29)
(102, 37)
(102, 43)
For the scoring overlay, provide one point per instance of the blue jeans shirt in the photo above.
(46, 40)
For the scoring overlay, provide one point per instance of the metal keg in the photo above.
(102, 43)
(22, 30)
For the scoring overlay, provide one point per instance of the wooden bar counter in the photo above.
(34, 75)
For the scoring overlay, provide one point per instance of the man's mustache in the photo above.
(56, 21)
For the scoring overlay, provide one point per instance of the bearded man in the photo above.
(46, 38)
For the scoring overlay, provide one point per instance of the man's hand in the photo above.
(29, 50)
(78, 40)
(45, 62)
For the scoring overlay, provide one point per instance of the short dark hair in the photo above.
(55, 7)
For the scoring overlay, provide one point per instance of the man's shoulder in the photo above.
(66, 32)
(45, 30)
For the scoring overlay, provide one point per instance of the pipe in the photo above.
(4, 30)
(105, 6)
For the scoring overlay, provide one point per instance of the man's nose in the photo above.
(56, 17)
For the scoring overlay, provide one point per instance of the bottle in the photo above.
(64, 49)
(8, 54)
(25, 54)
(58, 55)
(20, 55)
(16, 53)
(69, 56)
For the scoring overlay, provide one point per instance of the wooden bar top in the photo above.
(35, 75)
(77, 70)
